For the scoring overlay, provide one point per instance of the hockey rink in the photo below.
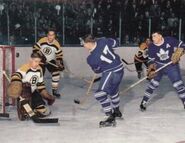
(163, 122)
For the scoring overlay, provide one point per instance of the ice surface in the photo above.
(163, 122)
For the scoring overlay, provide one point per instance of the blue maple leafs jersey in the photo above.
(162, 54)
(103, 58)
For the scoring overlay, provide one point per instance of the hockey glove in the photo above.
(49, 98)
(151, 71)
(60, 65)
(176, 55)
(26, 91)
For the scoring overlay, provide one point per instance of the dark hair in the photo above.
(36, 55)
(89, 38)
(158, 32)
(51, 29)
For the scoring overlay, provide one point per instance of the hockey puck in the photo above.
(77, 101)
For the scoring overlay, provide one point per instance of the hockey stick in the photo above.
(130, 70)
(77, 76)
(30, 112)
(133, 85)
(83, 99)
(4, 115)
(123, 60)
(127, 62)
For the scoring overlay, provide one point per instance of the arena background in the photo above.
(23, 22)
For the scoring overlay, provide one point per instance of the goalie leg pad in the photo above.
(21, 112)
(26, 94)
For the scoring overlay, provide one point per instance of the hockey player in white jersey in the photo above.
(51, 52)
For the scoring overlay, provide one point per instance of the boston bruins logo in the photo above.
(34, 79)
(47, 50)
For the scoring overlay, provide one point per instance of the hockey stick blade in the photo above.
(45, 120)
(5, 115)
(97, 79)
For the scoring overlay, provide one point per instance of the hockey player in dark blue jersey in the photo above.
(162, 51)
(102, 59)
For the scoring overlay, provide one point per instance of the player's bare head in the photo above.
(51, 35)
(157, 37)
(148, 41)
(88, 41)
(35, 60)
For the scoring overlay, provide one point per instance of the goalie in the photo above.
(51, 52)
(28, 83)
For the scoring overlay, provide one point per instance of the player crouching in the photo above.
(28, 83)
(103, 59)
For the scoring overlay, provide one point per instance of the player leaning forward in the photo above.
(102, 59)
(162, 51)
(28, 83)
(51, 52)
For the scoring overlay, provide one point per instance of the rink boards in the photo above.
(75, 59)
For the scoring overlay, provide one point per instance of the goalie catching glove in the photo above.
(151, 71)
(176, 55)
(60, 65)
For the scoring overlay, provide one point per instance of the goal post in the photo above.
(7, 64)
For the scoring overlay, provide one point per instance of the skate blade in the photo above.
(108, 125)
(142, 110)
(119, 118)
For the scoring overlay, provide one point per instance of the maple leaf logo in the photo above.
(163, 55)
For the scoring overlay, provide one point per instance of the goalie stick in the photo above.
(30, 112)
